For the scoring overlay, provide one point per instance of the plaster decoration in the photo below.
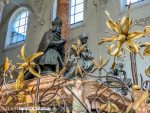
(39, 11)
(86, 4)
(40, 21)
(143, 21)
(2, 4)
(39, 5)
(97, 3)
(102, 2)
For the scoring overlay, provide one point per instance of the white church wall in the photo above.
(94, 25)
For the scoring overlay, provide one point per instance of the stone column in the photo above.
(63, 13)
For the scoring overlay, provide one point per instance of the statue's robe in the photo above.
(85, 61)
(53, 48)
(47, 38)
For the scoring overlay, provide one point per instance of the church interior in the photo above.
(74, 56)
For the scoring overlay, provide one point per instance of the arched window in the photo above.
(17, 27)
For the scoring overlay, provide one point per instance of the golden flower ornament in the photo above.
(147, 30)
(147, 48)
(7, 68)
(136, 87)
(78, 70)
(78, 48)
(122, 37)
(140, 104)
(109, 107)
(147, 71)
(20, 80)
(27, 65)
(59, 73)
(9, 100)
(100, 63)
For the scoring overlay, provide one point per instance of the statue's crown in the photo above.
(57, 21)
(83, 36)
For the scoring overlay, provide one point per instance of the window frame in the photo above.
(133, 2)
(79, 23)
(19, 27)
(136, 5)
(10, 27)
